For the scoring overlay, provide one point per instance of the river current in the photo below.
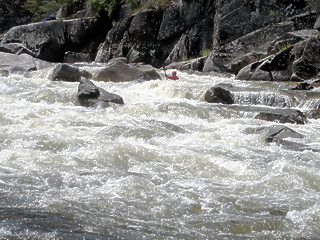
(165, 165)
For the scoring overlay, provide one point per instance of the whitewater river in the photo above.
(166, 165)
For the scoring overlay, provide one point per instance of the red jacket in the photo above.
(173, 77)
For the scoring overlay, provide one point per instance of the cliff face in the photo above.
(155, 36)
(236, 32)
(187, 28)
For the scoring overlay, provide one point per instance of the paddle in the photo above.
(164, 72)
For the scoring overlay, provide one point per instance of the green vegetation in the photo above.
(285, 46)
(41, 8)
(134, 6)
(205, 52)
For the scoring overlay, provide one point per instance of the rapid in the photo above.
(165, 165)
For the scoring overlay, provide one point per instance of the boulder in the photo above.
(149, 72)
(45, 39)
(118, 71)
(217, 94)
(50, 40)
(68, 73)
(285, 116)
(89, 94)
(23, 62)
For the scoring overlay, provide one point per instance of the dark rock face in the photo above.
(44, 39)
(152, 36)
(89, 94)
(50, 40)
(298, 62)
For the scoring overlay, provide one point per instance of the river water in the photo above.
(166, 165)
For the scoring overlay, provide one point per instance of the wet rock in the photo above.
(217, 94)
(279, 131)
(291, 144)
(278, 134)
(303, 86)
(89, 94)
(65, 72)
(286, 116)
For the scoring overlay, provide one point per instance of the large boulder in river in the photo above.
(68, 73)
(118, 71)
(89, 94)
(218, 94)
(51, 39)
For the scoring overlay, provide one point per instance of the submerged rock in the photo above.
(285, 116)
(279, 135)
(279, 131)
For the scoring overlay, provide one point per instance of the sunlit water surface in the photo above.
(166, 165)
